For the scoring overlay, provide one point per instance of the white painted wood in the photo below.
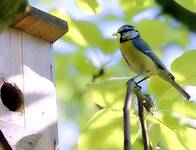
(27, 61)
(11, 70)
(39, 90)
(20, 138)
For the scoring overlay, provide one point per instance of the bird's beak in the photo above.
(117, 34)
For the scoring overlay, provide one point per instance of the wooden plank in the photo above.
(19, 138)
(11, 71)
(41, 24)
(39, 91)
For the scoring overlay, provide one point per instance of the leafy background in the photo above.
(90, 107)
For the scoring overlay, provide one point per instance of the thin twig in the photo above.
(126, 111)
(140, 98)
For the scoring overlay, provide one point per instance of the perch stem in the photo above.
(140, 98)
(126, 112)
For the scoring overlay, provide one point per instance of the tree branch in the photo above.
(140, 98)
(178, 12)
(126, 110)
(133, 87)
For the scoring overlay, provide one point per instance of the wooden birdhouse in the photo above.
(28, 113)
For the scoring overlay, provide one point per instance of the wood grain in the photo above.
(39, 90)
(41, 24)
(28, 61)
(11, 70)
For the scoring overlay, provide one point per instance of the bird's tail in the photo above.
(179, 88)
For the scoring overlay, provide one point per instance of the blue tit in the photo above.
(141, 59)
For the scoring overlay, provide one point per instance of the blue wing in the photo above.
(142, 46)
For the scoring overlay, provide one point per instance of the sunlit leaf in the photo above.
(150, 32)
(140, 2)
(89, 6)
(80, 34)
(168, 136)
(105, 131)
(154, 135)
(185, 108)
(188, 4)
(183, 74)
(133, 7)
(170, 139)
(108, 46)
(187, 137)
(170, 100)
(138, 144)
(155, 82)
(184, 67)
(165, 91)
(109, 93)
(74, 34)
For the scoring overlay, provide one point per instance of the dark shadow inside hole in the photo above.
(12, 97)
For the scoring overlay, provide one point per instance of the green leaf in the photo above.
(105, 92)
(137, 145)
(184, 68)
(158, 39)
(84, 37)
(10, 10)
(134, 7)
(155, 82)
(185, 108)
(169, 100)
(94, 37)
(104, 131)
(154, 135)
(187, 136)
(168, 136)
(184, 76)
(74, 35)
(92, 34)
(188, 4)
(165, 90)
(89, 6)
(170, 139)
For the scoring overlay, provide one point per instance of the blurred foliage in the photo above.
(190, 5)
(182, 10)
(99, 104)
(90, 6)
(10, 10)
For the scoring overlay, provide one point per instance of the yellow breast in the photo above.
(138, 61)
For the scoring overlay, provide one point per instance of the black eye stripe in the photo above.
(126, 30)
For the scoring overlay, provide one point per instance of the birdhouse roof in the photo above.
(40, 24)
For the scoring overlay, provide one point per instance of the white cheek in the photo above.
(130, 35)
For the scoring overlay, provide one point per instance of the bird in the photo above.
(141, 58)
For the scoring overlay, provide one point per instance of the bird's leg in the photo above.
(133, 80)
(142, 79)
